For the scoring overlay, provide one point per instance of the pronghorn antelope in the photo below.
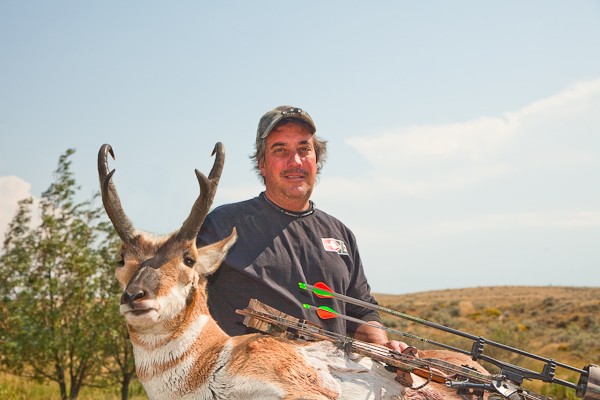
(180, 351)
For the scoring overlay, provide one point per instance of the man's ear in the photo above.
(261, 167)
(210, 257)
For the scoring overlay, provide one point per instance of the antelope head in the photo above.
(163, 278)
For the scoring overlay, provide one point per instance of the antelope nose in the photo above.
(130, 298)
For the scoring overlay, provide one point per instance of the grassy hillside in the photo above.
(562, 323)
(555, 322)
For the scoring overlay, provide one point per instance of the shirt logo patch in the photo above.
(335, 245)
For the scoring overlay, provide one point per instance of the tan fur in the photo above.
(270, 358)
(210, 351)
(453, 358)
(436, 391)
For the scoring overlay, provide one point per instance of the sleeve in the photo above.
(359, 288)
(211, 231)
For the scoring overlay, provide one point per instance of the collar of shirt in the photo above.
(295, 214)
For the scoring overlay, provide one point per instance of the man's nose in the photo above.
(295, 159)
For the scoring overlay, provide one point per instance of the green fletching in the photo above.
(331, 310)
(323, 293)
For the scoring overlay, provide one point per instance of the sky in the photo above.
(463, 137)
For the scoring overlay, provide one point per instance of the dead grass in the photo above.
(562, 323)
(16, 388)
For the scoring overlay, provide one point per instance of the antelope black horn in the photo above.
(208, 189)
(110, 198)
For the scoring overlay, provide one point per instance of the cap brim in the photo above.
(269, 128)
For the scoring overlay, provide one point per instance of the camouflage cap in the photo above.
(273, 117)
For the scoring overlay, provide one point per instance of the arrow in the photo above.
(322, 290)
(325, 312)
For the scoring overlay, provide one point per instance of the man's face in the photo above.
(290, 166)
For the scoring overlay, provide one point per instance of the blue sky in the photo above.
(464, 144)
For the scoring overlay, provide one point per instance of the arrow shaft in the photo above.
(371, 306)
(351, 300)
(391, 330)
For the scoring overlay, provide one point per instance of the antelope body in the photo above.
(180, 351)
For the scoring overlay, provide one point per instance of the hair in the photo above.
(260, 147)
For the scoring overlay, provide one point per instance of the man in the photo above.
(284, 239)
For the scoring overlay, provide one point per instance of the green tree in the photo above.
(58, 302)
(115, 345)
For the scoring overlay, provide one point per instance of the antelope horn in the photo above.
(110, 198)
(208, 189)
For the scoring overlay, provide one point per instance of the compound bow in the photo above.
(506, 384)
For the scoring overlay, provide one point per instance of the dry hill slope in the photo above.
(562, 323)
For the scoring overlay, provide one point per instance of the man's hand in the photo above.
(396, 345)
(371, 334)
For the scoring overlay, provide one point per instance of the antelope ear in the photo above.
(210, 257)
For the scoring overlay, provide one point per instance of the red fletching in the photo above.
(321, 290)
(326, 313)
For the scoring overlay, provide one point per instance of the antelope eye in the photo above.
(189, 261)
(121, 260)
